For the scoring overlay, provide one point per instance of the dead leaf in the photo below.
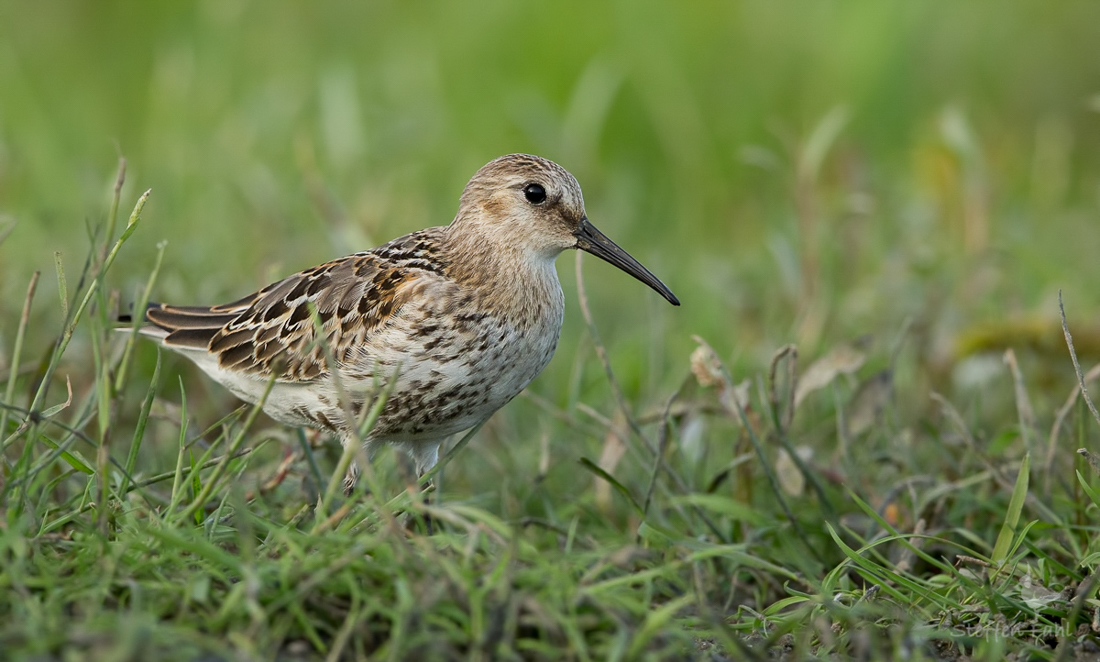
(692, 437)
(613, 450)
(707, 367)
(842, 360)
(709, 371)
(787, 472)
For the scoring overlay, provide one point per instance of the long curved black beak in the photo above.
(591, 240)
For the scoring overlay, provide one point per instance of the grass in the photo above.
(858, 438)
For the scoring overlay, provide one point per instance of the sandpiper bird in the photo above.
(462, 317)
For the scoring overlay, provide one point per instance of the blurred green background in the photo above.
(800, 172)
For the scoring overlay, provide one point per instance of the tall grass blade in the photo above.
(139, 429)
(1012, 516)
(611, 480)
(16, 357)
(62, 285)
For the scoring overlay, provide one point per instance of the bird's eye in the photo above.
(534, 193)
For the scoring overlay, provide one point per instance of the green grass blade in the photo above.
(139, 429)
(611, 480)
(1093, 495)
(138, 320)
(17, 355)
(1012, 515)
(62, 285)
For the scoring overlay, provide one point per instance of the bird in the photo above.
(451, 322)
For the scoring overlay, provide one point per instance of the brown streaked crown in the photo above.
(498, 206)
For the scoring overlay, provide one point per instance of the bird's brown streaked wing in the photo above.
(272, 331)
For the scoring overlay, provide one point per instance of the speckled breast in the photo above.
(454, 370)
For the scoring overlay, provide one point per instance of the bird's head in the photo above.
(529, 203)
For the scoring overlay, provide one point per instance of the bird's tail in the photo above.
(148, 329)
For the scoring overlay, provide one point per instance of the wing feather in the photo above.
(272, 331)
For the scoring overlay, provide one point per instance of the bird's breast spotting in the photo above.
(449, 372)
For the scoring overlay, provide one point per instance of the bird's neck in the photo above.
(512, 282)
